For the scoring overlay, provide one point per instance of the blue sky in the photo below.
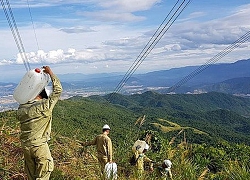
(94, 36)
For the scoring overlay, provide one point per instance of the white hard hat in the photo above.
(168, 163)
(146, 146)
(106, 127)
(48, 90)
(139, 146)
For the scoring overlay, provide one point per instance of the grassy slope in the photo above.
(81, 119)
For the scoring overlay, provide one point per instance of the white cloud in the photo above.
(128, 5)
(92, 47)
(114, 16)
(6, 62)
(223, 31)
(77, 30)
(120, 10)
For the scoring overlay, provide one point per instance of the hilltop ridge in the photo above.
(209, 137)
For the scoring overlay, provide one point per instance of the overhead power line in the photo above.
(217, 57)
(28, 4)
(12, 24)
(162, 29)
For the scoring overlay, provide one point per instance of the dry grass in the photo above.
(166, 129)
(73, 162)
(175, 127)
(11, 156)
(140, 121)
(203, 174)
(169, 122)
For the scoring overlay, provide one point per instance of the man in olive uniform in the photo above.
(103, 146)
(35, 118)
(140, 159)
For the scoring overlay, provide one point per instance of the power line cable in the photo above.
(217, 57)
(12, 24)
(147, 52)
(144, 49)
(34, 30)
(144, 54)
(150, 45)
(31, 18)
(18, 35)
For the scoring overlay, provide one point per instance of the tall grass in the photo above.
(238, 171)
(11, 161)
(73, 162)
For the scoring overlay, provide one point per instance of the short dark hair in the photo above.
(103, 130)
(43, 94)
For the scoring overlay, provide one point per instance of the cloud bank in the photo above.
(107, 36)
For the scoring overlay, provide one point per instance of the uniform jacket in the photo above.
(140, 160)
(35, 117)
(103, 146)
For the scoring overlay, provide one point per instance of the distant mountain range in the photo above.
(7, 88)
(239, 85)
(231, 78)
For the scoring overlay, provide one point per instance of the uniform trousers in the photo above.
(38, 162)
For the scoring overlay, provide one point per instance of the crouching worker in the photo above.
(103, 146)
(165, 170)
(35, 118)
(140, 159)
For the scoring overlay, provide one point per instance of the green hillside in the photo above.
(184, 102)
(220, 115)
(206, 136)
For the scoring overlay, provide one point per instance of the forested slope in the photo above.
(220, 115)
(184, 102)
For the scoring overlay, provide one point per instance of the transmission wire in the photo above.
(137, 62)
(217, 57)
(14, 29)
(148, 51)
(31, 18)
(18, 34)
